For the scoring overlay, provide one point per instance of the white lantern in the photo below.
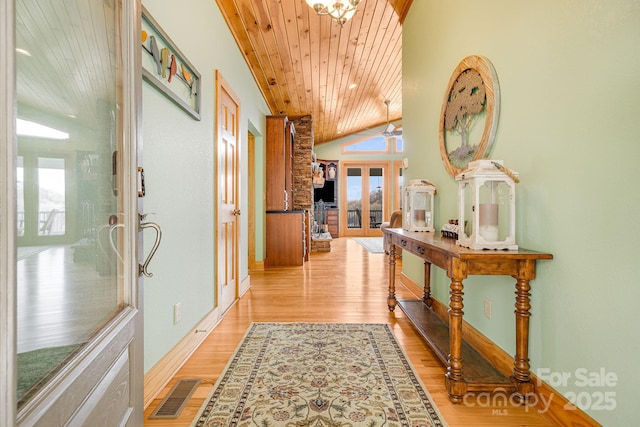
(487, 206)
(418, 205)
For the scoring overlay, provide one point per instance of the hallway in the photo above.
(347, 284)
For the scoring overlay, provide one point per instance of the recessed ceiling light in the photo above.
(353, 85)
(22, 52)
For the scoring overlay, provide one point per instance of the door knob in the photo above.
(235, 212)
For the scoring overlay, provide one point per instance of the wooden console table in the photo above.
(467, 369)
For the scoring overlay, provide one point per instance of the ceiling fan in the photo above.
(391, 130)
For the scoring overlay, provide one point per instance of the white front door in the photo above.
(72, 326)
(227, 195)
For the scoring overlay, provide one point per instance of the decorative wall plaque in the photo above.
(469, 116)
(166, 68)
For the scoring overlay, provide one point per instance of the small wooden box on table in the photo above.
(467, 369)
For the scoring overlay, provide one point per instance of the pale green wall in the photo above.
(569, 74)
(178, 160)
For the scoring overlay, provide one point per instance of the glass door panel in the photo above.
(376, 197)
(354, 198)
(69, 90)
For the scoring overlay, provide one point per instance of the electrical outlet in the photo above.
(487, 308)
(177, 313)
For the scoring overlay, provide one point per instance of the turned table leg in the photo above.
(521, 366)
(426, 296)
(391, 299)
(456, 387)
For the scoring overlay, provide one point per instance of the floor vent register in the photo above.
(172, 405)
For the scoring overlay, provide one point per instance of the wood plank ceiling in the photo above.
(306, 64)
(52, 54)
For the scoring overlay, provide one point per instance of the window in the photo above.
(373, 145)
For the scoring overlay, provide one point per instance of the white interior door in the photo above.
(227, 197)
(73, 271)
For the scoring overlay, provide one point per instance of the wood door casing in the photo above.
(251, 198)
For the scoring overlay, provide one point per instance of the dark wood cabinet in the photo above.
(287, 230)
(285, 238)
(279, 163)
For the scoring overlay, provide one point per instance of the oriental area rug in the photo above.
(319, 375)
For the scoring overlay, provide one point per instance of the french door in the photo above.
(70, 299)
(365, 197)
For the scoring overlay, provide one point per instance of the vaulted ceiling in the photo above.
(307, 64)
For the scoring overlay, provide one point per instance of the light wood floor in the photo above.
(61, 301)
(345, 285)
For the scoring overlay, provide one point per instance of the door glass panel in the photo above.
(376, 197)
(51, 197)
(69, 268)
(354, 198)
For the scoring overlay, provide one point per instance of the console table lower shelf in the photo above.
(479, 374)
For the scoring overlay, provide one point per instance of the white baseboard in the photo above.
(244, 286)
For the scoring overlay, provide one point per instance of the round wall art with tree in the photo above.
(472, 99)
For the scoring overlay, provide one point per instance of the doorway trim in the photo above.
(8, 358)
(251, 199)
(398, 172)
